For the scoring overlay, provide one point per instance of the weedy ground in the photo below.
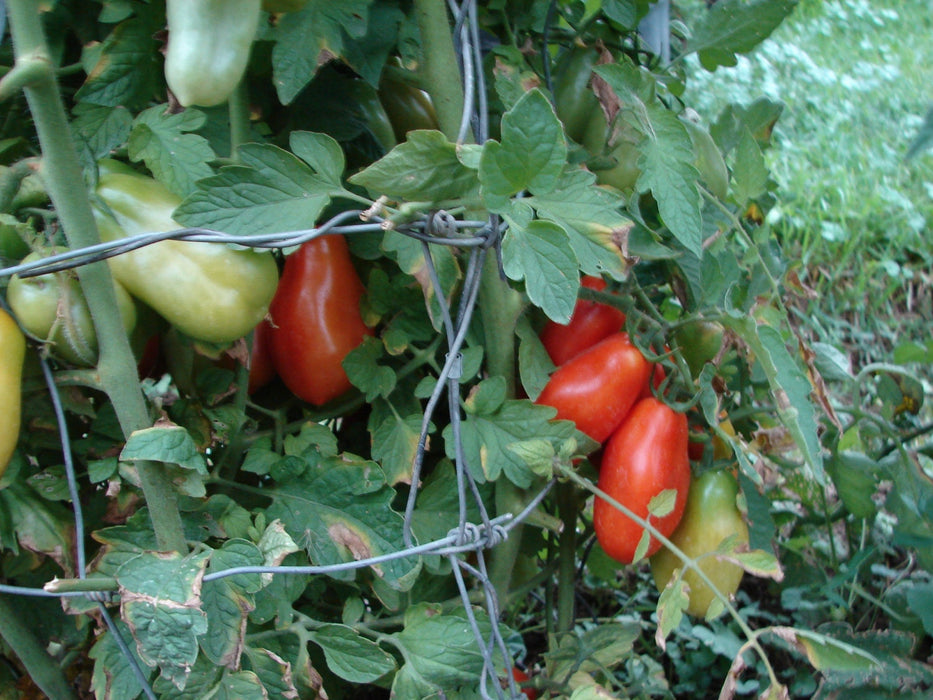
(856, 78)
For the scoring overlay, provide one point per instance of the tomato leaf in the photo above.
(735, 27)
(351, 656)
(170, 444)
(531, 155)
(395, 443)
(594, 649)
(590, 217)
(306, 38)
(270, 191)
(534, 364)
(749, 172)
(423, 168)
(663, 504)
(126, 73)
(826, 653)
(339, 509)
(364, 371)
(227, 602)
(487, 436)
(671, 605)
(176, 157)
(540, 253)
(668, 172)
(644, 541)
(322, 153)
(113, 677)
(160, 597)
(99, 130)
(440, 650)
(758, 563)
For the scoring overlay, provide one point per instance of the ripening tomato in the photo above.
(710, 517)
(597, 388)
(589, 323)
(522, 677)
(645, 456)
(316, 319)
(261, 368)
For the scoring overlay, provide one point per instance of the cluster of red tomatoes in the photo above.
(602, 384)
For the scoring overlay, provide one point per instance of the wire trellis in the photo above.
(436, 228)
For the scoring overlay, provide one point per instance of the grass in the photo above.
(856, 78)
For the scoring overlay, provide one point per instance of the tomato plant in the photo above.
(208, 48)
(645, 456)
(590, 323)
(710, 516)
(597, 388)
(315, 319)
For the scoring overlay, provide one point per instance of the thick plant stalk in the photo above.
(61, 172)
(42, 668)
(499, 305)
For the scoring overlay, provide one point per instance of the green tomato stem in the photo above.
(238, 106)
(568, 509)
(441, 72)
(61, 170)
(42, 668)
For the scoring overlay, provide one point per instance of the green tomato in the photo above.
(574, 100)
(709, 160)
(621, 148)
(709, 518)
(209, 291)
(407, 107)
(699, 342)
(208, 48)
(53, 309)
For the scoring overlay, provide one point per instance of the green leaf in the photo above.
(306, 40)
(126, 73)
(113, 677)
(351, 656)
(201, 682)
(532, 153)
(340, 510)
(920, 599)
(537, 454)
(735, 27)
(540, 253)
(534, 364)
(757, 562)
(826, 653)
(227, 602)
(176, 157)
(270, 191)
(170, 444)
(322, 153)
(99, 130)
(671, 605)
(27, 520)
(423, 168)
(441, 650)
(367, 54)
(667, 170)
(749, 173)
(924, 137)
(601, 647)
(240, 685)
(663, 503)
(395, 443)
(789, 386)
(160, 599)
(364, 371)
(486, 438)
(590, 216)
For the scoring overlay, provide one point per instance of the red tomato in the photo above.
(598, 387)
(316, 319)
(589, 323)
(522, 677)
(261, 369)
(645, 456)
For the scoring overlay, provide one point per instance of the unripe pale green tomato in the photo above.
(208, 48)
(699, 342)
(574, 100)
(53, 309)
(711, 515)
(12, 354)
(209, 291)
